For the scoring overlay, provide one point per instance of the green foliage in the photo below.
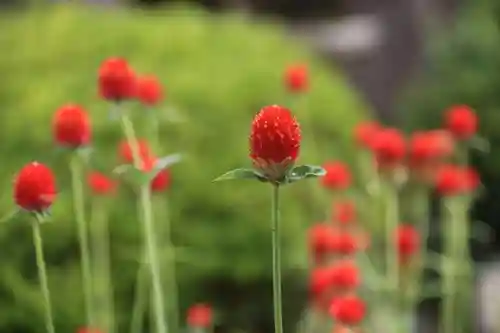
(218, 72)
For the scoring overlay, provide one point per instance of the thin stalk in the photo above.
(79, 208)
(391, 223)
(450, 247)
(140, 300)
(42, 275)
(103, 290)
(149, 232)
(278, 315)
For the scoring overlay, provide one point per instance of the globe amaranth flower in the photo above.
(320, 284)
(321, 239)
(126, 155)
(348, 310)
(344, 243)
(345, 275)
(455, 180)
(389, 148)
(100, 184)
(461, 121)
(274, 142)
(35, 187)
(297, 78)
(117, 80)
(365, 132)
(71, 126)
(149, 90)
(407, 240)
(337, 177)
(199, 315)
(344, 212)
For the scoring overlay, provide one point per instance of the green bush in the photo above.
(218, 71)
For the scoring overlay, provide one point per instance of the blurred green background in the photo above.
(218, 71)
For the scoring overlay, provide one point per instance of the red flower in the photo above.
(454, 180)
(161, 182)
(345, 275)
(365, 132)
(199, 315)
(88, 330)
(34, 187)
(389, 147)
(125, 151)
(321, 241)
(348, 310)
(71, 126)
(344, 212)
(320, 282)
(297, 78)
(117, 80)
(407, 241)
(344, 243)
(338, 176)
(429, 146)
(461, 121)
(149, 90)
(100, 184)
(274, 141)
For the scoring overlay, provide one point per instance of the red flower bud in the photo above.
(100, 184)
(274, 141)
(345, 275)
(297, 78)
(320, 282)
(199, 315)
(344, 243)
(149, 90)
(34, 187)
(407, 241)
(365, 132)
(321, 238)
(125, 151)
(117, 80)
(454, 180)
(338, 176)
(344, 212)
(161, 182)
(389, 148)
(348, 310)
(71, 126)
(461, 121)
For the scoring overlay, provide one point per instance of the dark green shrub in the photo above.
(218, 72)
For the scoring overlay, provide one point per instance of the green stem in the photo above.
(42, 275)
(149, 232)
(278, 316)
(103, 291)
(140, 300)
(391, 224)
(450, 248)
(79, 208)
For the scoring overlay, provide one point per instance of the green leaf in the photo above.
(11, 216)
(301, 172)
(164, 163)
(241, 174)
(482, 232)
(132, 175)
(480, 144)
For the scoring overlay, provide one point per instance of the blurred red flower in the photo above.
(320, 282)
(297, 78)
(365, 132)
(344, 243)
(345, 275)
(348, 310)
(407, 241)
(274, 141)
(199, 315)
(117, 80)
(100, 184)
(161, 182)
(125, 151)
(338, 176)
(461, 121)
(321, 241)
(344, 212)
(455, 180)
(149, 90)
(389, 148)
(71, 126)
(35, 187)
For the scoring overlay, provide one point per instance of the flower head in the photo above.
(407, 241)
(161, 181)
(125, 151)
(297, 78)
(149, 90)
(338, 176)
(34, 187)
(71, 126)
(344, 212)
(461, 121)
(199, 315)
(345, 275)
(348, 310)
(274, 141)
(320, 282)
(455, 180)
(389, 148)
(344, 243)
(100, 184)
(365, 132)
(321, 241)
(117, 80)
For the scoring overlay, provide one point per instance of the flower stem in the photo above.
(79, 208)
(278, 316)
(103, 291)
(149, 232)
(391, 223)
(42, 275)
(140, 300)
(448, 273)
